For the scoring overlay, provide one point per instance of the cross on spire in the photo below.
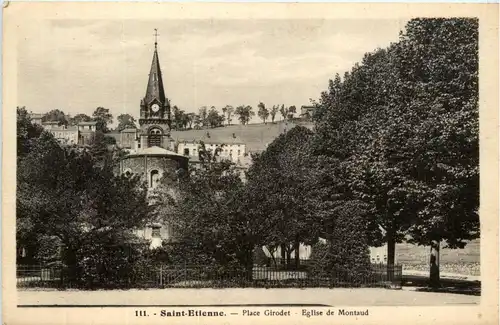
(156, 37)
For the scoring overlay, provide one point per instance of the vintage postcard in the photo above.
(217, 163)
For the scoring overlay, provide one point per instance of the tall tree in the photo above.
(203, 114)
(62, 193)
(56, 115)
(263, 112)
(245, 113)
(79, 118)
(190, 117)
(103, 118)
(197, 121)
(283, 112)
(277, 190)
(27, 132)
(224, 111)
(273, 112)
(181, 119)
(228, 109)
(442, 65)
(404, 123)
(126, 121)
(291, 111)
(214, 119)
(220, 235)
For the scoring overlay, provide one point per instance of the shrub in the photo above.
(345, 258)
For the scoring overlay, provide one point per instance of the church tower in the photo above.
(154, 118)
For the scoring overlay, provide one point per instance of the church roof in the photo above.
(155, 82)
(154, 151)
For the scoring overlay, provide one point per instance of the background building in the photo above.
(65, 134)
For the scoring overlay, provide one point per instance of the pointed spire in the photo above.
(155, 83)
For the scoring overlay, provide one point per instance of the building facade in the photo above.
(85, 132)
(79, 134)
(65, 134)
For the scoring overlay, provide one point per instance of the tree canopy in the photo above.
(245, 113)
(70, 194)
(103, 118)
(404, 126)
(56, 115)
(126, 121)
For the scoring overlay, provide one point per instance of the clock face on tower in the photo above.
(155, 108)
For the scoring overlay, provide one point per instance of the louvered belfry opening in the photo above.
(154, 138)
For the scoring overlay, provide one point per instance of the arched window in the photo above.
(154, 137)
(154, 178)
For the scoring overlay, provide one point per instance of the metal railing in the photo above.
(204, 276)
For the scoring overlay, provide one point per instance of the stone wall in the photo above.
(143, 165)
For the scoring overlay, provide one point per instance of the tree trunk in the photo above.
(288, 256)
(249, 264)
(283, 254)
(297, 256)
(434, 264)
(391, 253)
(70, 273)
(272, 252)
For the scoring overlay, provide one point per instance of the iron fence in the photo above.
(204, 276)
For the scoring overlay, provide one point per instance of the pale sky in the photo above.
(78, 65)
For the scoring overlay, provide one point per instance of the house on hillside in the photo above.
(85, 131)
(36, 118)
(65, 134)
(231, 147)
(307, 112)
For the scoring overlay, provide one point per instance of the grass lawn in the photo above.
(460, 261)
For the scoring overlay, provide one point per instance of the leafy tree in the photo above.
(190, 117)
(291, 111)
(56, 115)
(244, 113)
(209, 223)
(197, 121)
(203, 114)
(263, 112)
(214, 119)
(27, 132)
(79, 118)
(345, 257)
(273, 112)
(277, 192)
(181, 119)
(63, 193)
(441, 68)
(103, 118)
(126, 121)
(228, 109)
(283, 112)
(404, 125)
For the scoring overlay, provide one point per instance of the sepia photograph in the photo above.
(193, 163)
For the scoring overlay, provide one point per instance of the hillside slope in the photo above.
(255, 136)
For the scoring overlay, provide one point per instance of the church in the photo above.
(151, 153)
